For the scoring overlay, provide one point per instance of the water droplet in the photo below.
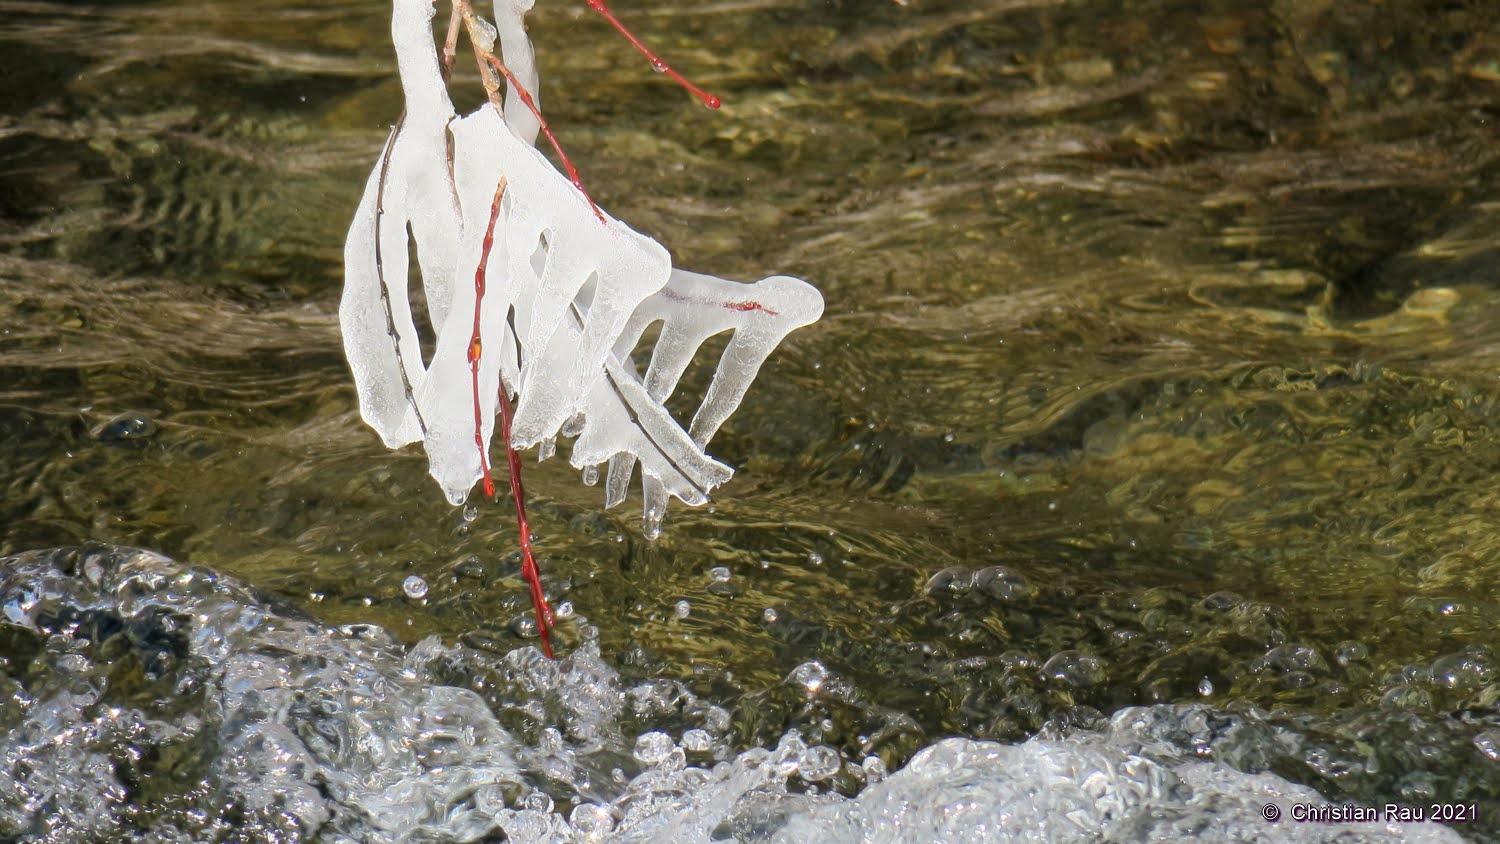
(127, 428)
(1488, 743)
(874, 769)
(1294, 656)
(810, 676)
(471, 511)
(684, 608)
(651, 523)
(1002, 583)
(590, 478)
(1407, 698)
(815, 558)
(592, 821)
(1465, 670)
(819, 763)
(1348, 652)
(719, 574)
(19, 604)
(414, 587)
(697, 741)
(950, 581)
(712, 102)
(1205, 687)
(653, 747)
(537, 801)
(1074, 668)
(769, 616)
(563, 610)
(658, 65)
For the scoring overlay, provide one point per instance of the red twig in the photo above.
(705, 97)
(546, 130)
(487, 60)
(529, 569)
(476, 346)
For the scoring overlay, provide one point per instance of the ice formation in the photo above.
(532, 289)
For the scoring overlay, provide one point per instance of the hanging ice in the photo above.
(565, 294)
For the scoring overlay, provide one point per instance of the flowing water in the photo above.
(1138, 479)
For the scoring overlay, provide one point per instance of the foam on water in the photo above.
(148, 700)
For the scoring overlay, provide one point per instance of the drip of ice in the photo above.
(568, 293)
(252, 723)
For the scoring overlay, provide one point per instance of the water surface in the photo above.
(1159, 366)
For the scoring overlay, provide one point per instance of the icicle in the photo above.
(559, 290)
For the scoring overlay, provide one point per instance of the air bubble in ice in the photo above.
(414, 587)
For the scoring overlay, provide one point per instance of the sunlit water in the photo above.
(1138, 478)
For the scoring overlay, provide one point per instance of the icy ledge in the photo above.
(144, 700)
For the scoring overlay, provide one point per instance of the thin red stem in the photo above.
(529, 569)
(476, 346)
(705, 97)
(546, 130)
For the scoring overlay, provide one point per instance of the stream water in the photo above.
(1138, 481)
